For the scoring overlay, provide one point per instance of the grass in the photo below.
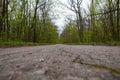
(20, 43)
(109, 43)
(16, 43)
(113, 42)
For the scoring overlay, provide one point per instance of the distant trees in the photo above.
(70, 34)
(100, 24)
(20, 20)
(75, 6)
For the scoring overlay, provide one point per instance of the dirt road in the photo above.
(60, 62)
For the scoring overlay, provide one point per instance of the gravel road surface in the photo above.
(60, 62)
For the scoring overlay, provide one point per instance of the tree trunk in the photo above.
(7, 22)
(34, 23)
(118, 20)
(3, 15)
(93, 22)
(1, 23)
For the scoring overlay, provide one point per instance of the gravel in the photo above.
(60, 62)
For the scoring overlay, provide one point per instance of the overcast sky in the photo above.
(62, 12)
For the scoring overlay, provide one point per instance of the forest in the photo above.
(100, 25)
(30, 21)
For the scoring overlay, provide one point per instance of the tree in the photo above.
(19, 22)
(75, 6)
(118, 19)
(1, 17)
(102, 19)
(34, 21)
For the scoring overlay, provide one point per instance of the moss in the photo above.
(112, 70)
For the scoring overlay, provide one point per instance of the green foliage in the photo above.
(16, 43)
(70, 35)
(48, 34)
(20, 43)
(22, 26)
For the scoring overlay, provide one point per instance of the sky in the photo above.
(62, 12)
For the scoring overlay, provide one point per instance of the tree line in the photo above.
(100, 24)
(28, 21)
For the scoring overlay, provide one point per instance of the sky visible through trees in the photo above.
(61, 21)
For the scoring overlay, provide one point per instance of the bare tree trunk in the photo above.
(78, 25)
(29, 25)
(80, 20)
(7, 22)
(34, 23)
(1, 23)
(93, 21)
(118, 20)
(112, 27)
(3, 14)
